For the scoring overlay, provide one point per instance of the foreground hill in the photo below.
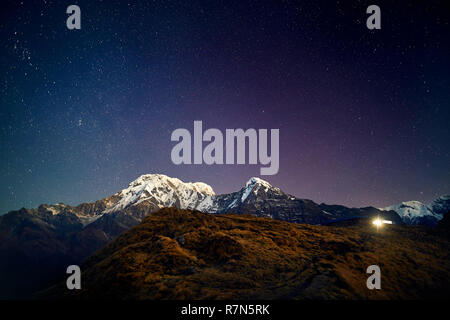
(183, 254)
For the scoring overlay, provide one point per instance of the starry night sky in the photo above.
(363, 115)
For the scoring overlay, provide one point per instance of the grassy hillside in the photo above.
(180, 254)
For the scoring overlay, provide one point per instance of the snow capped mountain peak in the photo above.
(160, 179)
(441, 205)
(255, 180)
(412, 211)
(162, 191)
(254, 184)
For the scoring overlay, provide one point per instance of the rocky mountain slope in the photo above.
(180, 254)
(160, 191)
(417, 213)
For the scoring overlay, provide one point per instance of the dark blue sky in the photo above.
(363, 115)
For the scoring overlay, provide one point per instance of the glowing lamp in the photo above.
(378, 222)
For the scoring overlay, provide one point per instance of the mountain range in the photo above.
(52, 236)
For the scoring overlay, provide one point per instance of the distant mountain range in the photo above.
(417, 213)
(52, 236)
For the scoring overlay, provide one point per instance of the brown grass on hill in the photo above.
(180, 254)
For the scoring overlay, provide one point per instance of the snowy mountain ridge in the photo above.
(163, 191)
(151, 192)
(415, 212)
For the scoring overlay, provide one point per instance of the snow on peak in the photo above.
(255, 180)
(163, 191)
(55, 209)
(254, 184)
(159, 179)
(440, 205)
(411, 209)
